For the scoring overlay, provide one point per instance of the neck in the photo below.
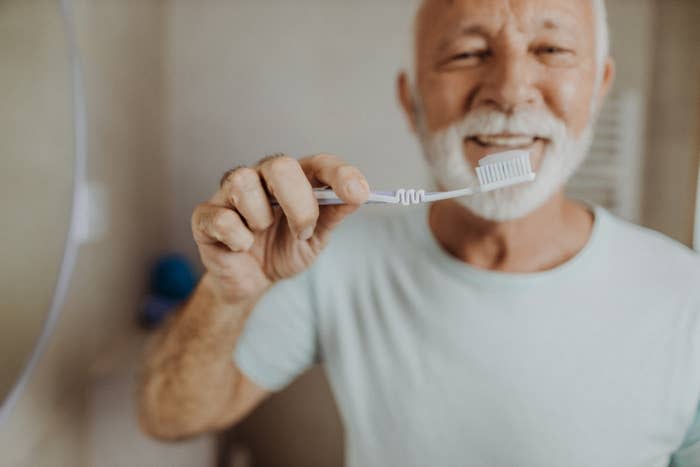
(544, 239)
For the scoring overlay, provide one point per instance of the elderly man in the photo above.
(517, 328)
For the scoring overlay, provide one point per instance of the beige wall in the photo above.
(674, 119)
(632, 40)
(121, 44)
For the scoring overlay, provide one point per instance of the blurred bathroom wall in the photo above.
(674, 120)
(122, 50)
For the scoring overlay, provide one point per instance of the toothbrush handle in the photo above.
(327, 197)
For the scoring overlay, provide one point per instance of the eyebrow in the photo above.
(472, 28)
(557, 24)
(550, 24)
(469, 29)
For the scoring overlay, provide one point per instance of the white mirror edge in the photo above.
(72, 243)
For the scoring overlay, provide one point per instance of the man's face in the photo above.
(508, 56)
(497, 75)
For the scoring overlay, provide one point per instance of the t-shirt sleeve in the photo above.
(689, 453)
(279, 340)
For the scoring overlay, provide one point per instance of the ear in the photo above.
(406, 99)
(608, 81)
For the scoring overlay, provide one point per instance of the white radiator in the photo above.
(612, 175)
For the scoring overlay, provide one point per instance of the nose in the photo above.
(509, 85)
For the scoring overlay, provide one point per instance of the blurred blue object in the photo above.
(155, 309)
(173, 277)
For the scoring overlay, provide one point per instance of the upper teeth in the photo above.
(513, 141)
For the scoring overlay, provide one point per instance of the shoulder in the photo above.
(648, 244)
(652, 254)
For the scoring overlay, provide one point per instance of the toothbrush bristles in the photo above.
(502, 173)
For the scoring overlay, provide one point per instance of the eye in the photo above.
(555, 56)
(550, 50)
(470, 57)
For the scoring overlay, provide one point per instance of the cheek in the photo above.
(567, 94)
(570, 99)
(444, 101)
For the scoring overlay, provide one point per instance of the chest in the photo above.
(589, 378)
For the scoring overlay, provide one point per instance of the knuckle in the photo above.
(268, 158)
(262, 220)
(225, 178)
(222, 221)
(345, 172)
(243, 241)
(235, 246)
(305, 219)
(321, 159)
(281, 166)
(196, 218)
(244, 179)
(258, 224)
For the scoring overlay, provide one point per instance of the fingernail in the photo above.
(356, 188)
(307, 233)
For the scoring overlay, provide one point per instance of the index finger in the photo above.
(347, 181)
(289, 185)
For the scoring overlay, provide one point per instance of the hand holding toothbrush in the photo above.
(246, 244)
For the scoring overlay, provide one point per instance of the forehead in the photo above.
(444, 17)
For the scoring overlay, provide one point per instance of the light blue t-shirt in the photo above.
(432, 362)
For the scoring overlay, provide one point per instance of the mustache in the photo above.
(537, 123)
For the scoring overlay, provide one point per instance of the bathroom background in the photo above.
(179, 91)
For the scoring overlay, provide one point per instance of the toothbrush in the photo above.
(496, 171)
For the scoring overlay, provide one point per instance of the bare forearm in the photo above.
(190, 381)
(190, 376)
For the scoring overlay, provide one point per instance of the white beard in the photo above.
(452, 171)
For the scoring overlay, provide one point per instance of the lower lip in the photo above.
(509, 147)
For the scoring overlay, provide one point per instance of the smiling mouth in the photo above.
(505, 141)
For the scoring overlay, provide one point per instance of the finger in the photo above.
(214, 224)
(243, 190)
(287, 182)
(347, 181)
